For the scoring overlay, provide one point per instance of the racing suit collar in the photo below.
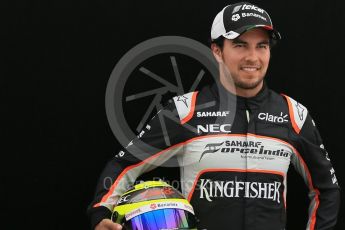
(241, 102)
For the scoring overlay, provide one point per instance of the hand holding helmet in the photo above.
(107, 224)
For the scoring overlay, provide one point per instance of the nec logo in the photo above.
(214, 128)
(272, 118)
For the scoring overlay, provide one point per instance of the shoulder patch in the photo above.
(185, 105)
(298, 113)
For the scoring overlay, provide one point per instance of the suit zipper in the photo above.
(248, 116)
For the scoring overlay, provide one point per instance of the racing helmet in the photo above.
(154, 205)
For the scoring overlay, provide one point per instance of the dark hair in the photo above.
(219, 42)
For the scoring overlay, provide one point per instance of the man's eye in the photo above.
(239, 45)
(263, 46)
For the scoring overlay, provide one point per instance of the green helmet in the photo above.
(154, 205)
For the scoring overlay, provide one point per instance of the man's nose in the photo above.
(252, 55)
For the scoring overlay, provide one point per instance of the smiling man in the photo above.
(234, 162)
(242, 36)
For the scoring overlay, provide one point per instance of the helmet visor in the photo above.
(162, 219)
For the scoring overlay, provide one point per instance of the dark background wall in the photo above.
(57, 58)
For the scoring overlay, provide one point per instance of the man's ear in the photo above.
(217, 52)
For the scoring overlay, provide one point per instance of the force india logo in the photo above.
(210, 189)
(243, 147)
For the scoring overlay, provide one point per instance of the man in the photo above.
(234, 162)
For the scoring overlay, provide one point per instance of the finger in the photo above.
(114, 226)
(117, 227)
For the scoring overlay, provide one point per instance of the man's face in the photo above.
(247, 58)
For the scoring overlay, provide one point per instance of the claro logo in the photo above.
(272, 118)
(214, 128)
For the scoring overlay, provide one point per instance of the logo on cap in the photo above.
(235, 17)
(252, 7)
(236, 8)
(231, 34)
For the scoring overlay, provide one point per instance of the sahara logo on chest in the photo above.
(213, 114)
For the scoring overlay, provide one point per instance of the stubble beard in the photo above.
(245, 85)
(237, 83)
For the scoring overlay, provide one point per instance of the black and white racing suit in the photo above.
(233, 161)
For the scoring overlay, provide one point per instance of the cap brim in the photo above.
(274, 34)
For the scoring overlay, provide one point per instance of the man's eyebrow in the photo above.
(239, 41)
(264, 42)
